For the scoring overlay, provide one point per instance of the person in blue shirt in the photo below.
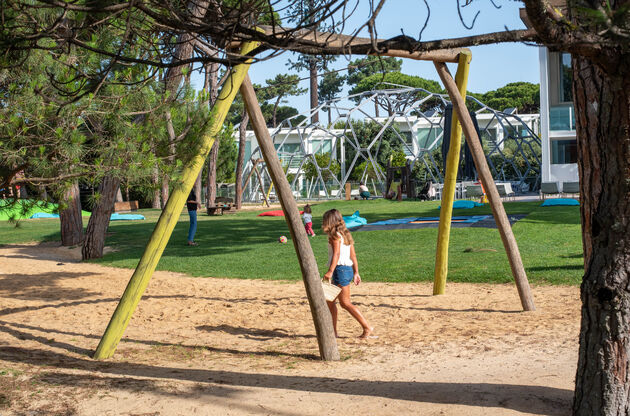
(192, 205)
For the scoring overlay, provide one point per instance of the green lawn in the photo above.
(242, 245)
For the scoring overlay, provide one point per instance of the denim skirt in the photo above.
(342, 276)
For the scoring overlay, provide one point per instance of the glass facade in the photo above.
(288, 150)
(566, 79)
(561, 117)
(561, 111)
(321, 146)
(427, 135)
(489, 136)
(248, 150)
(563, 151)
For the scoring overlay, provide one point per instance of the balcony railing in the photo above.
(561, 117)
(295, 162)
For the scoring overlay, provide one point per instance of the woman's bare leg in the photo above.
(344, 301)
(333, 311)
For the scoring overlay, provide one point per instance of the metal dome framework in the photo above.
(405, 108)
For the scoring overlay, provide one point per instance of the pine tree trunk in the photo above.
(240, 162)
(275, 110)
(211, 86)
(43, 194)
(213, 81)
(208, 179)
(70, 218)
(97, 226)
(171, 153)
(602, 103)
(155, 181)
(164, 190)
(212, 171)
(314, 89)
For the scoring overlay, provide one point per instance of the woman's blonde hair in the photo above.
(333, 224)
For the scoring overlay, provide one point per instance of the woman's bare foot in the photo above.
(367, 333)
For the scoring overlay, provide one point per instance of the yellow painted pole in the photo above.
(271, 186)
(450, 180)
(168, 219)
(269, 191)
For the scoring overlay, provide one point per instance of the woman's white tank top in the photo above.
(344, 255)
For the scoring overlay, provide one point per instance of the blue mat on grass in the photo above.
(354, 220)
(464, 204)
(118, 217)
(43, 215)
(475, 221)
(114, 217)
(559, 202)
(465, 219)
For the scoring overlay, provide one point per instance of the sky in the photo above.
(492, 66)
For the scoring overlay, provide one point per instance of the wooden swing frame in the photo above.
(238, 80)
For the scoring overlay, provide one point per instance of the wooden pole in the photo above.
(171, 213)
(503, 224)
(271, 186)
(249, 175)
(450, 180)
(262, 187)
(340, 44)
(310, 274)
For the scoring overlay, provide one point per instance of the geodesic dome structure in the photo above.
(320, 158)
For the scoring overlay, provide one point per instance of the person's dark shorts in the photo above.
(342, 276)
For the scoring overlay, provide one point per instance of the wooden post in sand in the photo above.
(503, 224)
(310, 274)
(450, 180)
(172, 211)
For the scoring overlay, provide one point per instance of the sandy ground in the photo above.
(235, 347)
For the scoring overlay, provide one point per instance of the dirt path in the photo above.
(237, 347)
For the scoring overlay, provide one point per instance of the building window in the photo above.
(566, 79)
(290, 153)
(288, 147)
(561, 117)
(248, 150)
(321, 146)
(427, 135)
(563, 151)
(489, 136)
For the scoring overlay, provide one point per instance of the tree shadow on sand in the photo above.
(43, 286)
(19, 331)
(252, 333)
(522, 398)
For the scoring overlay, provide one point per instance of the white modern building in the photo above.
(418, 135)
(557, 116)
(557, 119)
(493, 129)
(292, 146)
